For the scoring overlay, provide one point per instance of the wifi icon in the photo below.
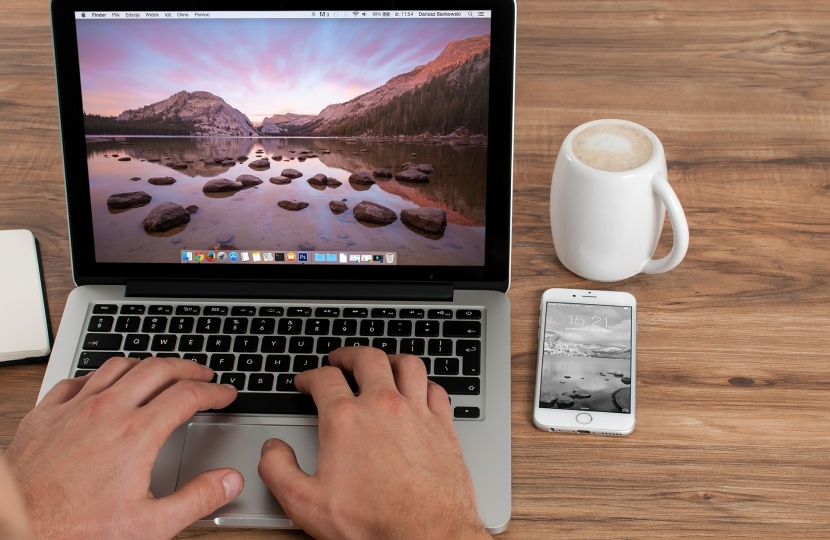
(355, 13)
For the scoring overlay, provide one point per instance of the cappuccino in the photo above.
(613, 147)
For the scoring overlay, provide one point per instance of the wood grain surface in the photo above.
(733, 427)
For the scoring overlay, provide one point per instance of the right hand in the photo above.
(389, 465)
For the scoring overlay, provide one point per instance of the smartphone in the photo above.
(586, 369)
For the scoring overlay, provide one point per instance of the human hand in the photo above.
(83, 456)
(13, 522)
(389, 465)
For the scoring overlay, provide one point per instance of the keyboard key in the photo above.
(412, 346)
(182, 325)
(105, 309)
(327, 312)
(249, 362)
(427, 363)
(384, 313)
(136, 342)
(263, 326)
(191, 343)
(468, 314)
(357, 341)
(440, 347)
(327, 344)
(140, 355)
(446, 366)
(371, 327)
(317, 327)
(304, 362)
(440, 314)
(387, 345)
(208, 325)
(301, 345)
(90, 360)
(100, 324)
(127, 324)
(273, 344)
(261, 382)
(285, 383)
(168, 355)
(154, 325)
(102, 342)
(467, 412)
(82, 372)
(299, 312)
(411, 314)
(270, 311)
(469, 386)
(218, 344)
(277, 362)
(470, 353)
(426, 328)
(132, 309)
(241, 311)
(216, 310)
(236, 379)
(199, 358)
(188, 310)
(356, 313)
(344, 327)
(272, 403)
(235, 325)
(222, 362)
(466, 329)
(245, 344)
(163, 342)
(400, 328)
(290, 326)
(160, 310)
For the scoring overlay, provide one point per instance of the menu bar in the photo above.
(355, 14)
(288, 257)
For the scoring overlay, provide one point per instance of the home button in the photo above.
(583, 418)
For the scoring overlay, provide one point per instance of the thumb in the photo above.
(280, 471)
(200, 496)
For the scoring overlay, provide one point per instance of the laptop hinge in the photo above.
(425, 292)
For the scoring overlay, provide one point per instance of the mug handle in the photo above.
(678, 224)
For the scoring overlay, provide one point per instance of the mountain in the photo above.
(206, 113)
(280, 123)
(556, 345)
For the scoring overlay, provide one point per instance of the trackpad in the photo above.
(212, 446)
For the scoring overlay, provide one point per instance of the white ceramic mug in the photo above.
(606, 224)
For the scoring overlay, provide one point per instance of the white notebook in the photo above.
(24, 330)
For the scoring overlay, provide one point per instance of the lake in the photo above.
(563, 374)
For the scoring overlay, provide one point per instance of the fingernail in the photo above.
(267, 445)
(233, 484)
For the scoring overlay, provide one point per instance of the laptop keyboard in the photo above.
(260, 348)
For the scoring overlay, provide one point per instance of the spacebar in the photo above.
(271, 403)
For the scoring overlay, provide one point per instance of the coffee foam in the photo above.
(612, 147)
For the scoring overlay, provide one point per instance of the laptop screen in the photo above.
(286, 138)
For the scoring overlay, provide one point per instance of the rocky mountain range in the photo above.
(556, 345)
(282, 123)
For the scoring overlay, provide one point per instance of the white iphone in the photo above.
(585, 374)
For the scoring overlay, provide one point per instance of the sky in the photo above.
(617, 333)
(259, 66)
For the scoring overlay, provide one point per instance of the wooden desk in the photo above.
(733, 434)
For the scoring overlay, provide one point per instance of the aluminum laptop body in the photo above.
(246, 191)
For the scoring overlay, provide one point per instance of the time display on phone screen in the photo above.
(587, 358)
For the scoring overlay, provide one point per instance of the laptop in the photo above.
(253, 189)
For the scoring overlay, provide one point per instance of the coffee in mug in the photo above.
(608, 200)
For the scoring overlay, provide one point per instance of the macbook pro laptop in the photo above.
(253, 189)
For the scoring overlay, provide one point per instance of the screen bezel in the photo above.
(565, 419)
(495, 272)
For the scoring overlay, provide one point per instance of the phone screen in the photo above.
(586, 364)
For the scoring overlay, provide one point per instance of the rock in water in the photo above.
(218, 160)
(426, 219)
(338, 207)
(292, 205)
(411, 175)
(374, 213)
(242, 157)
(301, 158)
(228, 163)
(128, 200)
(564, 401)
(164, 217)
(408, 165)
(179, 166)
(333, 182)
(162, 180)
(260, 164)
(581, 394)
(192, 209)
(219, 185)
(382, 173)
(248, 180)
(291, 173)
(425, 168)
(362, 178)
(135, 178)
(622, 398)
(277, 158)
(626, 380)
(124, 158)
(318, 179)
(279, 180)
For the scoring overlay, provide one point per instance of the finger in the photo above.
(64, 391)
(292, 487)
(176, 404)
(325, 384)
(201, 496)
(370, 366)
(439, 403)
(107, 375)
(154, 375)
(410, 376)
